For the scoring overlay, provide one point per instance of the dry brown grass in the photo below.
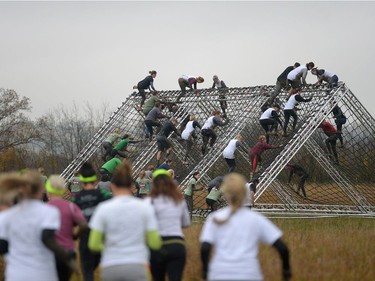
(332, 249)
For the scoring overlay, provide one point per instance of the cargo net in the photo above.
(330, 188)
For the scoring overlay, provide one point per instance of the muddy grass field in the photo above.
(332, 249)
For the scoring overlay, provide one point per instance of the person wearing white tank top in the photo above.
(188, 134)
(229, 151)
(289, 110)
(208, 132)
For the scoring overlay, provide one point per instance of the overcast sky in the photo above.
(58, 52)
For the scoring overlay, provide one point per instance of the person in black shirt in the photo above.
(303, 175)
(340, 119)
(87, 200)
(223, 89)
(162, 138)
(281, 82)
(147, 83)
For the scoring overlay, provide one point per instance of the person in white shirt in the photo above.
(269, 120)
(27, 231)
(172, 215)
(208, 130)
(251, 188)
(294, 77)
(289, 109)
(123, 228)
(325, 75)
(229, 151)
(235, 232)
(188, 134)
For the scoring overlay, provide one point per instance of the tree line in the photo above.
(51, 141)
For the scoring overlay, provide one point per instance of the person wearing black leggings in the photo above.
(172, 215)
(340, 119)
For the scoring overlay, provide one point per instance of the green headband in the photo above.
(51, 189)
(159, 172)
(87, 179)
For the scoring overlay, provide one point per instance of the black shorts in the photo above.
(163, 143)
(295, 84)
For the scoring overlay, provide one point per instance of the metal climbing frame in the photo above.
(243, 113)
(297, 141)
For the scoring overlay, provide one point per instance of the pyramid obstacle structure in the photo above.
(344, 189)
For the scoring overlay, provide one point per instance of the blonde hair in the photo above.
(11, 186)
(192, 117)
(17, 186)
(262, 137)
(233, 188)
(171, 171)
(57, 182)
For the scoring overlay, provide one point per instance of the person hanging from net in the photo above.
(208, 130)
(269, 120)
(222, 89)
(229, 152)
(109, 141)
(326, 76)
(147, 83)
(301, 173)
(296, 75)
(188, 135)
(290, 109)
(340, 119)
(187, 81)
(256, 151)
(152, 117)
(162, 141)
(120, 148)
(331, 133)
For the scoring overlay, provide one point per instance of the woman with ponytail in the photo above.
(87, 200)
(123, 228)
(147, 83)
(27, 231)
(235, 232)
(172, 215)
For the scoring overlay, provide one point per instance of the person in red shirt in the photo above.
(331, 133)
(256, 151)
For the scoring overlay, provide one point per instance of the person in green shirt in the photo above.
(189, 192)
(74, 184)
(109, 141)
(109, 167)
(213, 198)
(150, 103)
(144, 184)
(120, 148)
